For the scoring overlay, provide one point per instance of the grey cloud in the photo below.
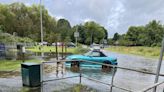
(115, 15)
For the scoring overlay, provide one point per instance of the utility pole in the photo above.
(41, 28)
(41, 23)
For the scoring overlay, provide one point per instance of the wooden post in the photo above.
(57, 66)
(62, 49)
(65, 49)
(159, 65)
(114, 71)
(56, 50)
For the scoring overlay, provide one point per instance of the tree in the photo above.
(116, 37)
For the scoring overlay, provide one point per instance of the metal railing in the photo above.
(114, 67)
(151, 87)
(154, 86)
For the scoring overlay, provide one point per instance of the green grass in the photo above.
(78, 50)
(11, 65)
(50, 49)
(152, 52)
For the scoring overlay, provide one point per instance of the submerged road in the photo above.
(124, 78)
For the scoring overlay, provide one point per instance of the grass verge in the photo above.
(78, 50)
(13, 65)
(49, 49)
(151, 52)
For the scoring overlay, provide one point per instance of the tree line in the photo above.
(24, 21)
(150, 34)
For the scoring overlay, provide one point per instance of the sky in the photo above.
(114, 15)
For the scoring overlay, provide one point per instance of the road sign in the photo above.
(76, 34)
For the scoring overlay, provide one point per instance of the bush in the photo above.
(10, 38)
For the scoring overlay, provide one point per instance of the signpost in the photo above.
(76, 35)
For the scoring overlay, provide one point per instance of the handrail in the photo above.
(146, 72)
(151, 87)
(114, 66)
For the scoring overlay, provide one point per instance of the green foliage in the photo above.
(25, 22)
(90, 32)
(11, 65)
(116, 37)
(148, 35)
(5, 38)
(64, 28)
(153, 52)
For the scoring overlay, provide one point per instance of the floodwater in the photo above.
(131, 80)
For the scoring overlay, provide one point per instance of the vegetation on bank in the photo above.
(74, 50)
(13, 65)
(7, 38)
(10, 65)
(24, 21)
(152, 52)
(149, 35)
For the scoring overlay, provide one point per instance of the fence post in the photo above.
(57, 68)
(113, 71)
(80, 72)
(159, 65)
(41, 77)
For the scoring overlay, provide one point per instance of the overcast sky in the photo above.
(114, 15)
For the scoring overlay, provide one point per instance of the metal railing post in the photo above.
(41, 77)
(114, 71)
(80, 72)
(159, 65)
(57, 68)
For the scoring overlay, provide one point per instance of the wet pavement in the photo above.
(128, 79)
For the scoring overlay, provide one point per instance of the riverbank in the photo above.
(13, 65)
(150, 52)
(73, 50)
(9, 66)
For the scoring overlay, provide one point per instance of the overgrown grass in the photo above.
(75, 50)
(152, 52)
(49, 49)
(11, 65)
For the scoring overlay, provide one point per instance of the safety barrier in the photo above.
(114, 67)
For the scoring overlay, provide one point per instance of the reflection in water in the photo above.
(97, 73)
(27, 89)
(123, 78)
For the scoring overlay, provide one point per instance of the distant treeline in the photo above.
(149, 35)
(24, 21)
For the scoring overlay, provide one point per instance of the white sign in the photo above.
(76, 34)
(23, 49)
